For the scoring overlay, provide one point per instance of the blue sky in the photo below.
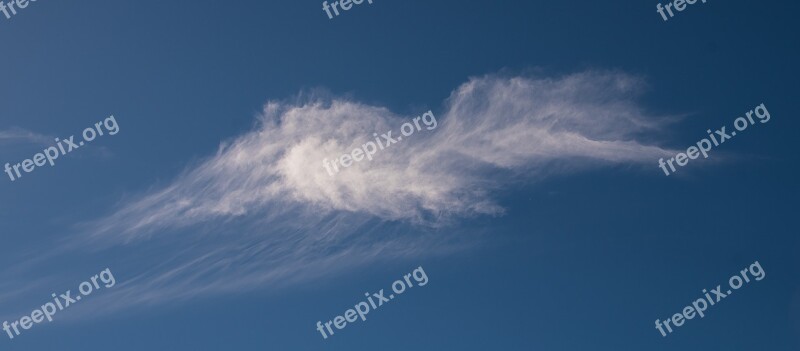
(536, 207)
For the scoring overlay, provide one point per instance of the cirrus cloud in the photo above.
(263, 210)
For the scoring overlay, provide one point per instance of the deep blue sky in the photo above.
(579, 261)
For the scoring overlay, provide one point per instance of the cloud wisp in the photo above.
(263, 211)
(18, 135)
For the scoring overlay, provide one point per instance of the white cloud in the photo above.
(491, 123)
(263, 210)
(19, 135)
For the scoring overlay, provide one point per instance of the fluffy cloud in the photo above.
(263, 210)
(489, 124)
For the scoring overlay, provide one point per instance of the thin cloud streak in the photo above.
(19, 135)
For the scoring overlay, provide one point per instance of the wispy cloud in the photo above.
(263, 210)
(19, 135)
